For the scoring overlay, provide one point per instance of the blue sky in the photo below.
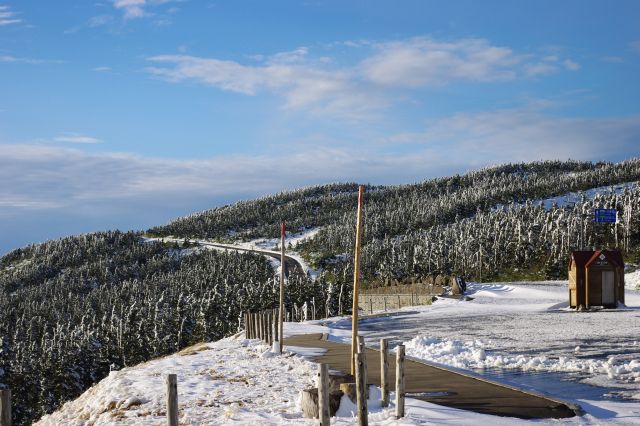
(127, 113)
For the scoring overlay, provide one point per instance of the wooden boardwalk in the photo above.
(441, 386)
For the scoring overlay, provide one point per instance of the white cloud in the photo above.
(102, 69)
(76, 138)
(540, 68)
(526, 135)
(14, 59)
(300, 84)
(7, 17)
(46, 176)
(9, 59)
(423, 62)
(136, 8)
(571, 65)
(323, 85)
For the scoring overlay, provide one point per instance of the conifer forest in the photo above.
(73, 309)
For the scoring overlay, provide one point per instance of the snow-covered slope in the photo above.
(232, 382)
(517, 326)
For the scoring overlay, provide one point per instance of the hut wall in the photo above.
(595, 285)
(573, 284)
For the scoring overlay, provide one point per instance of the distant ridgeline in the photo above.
(484, 224)
(72, 309)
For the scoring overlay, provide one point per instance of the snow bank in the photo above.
(473, 354)
(632, 280)
(225, 382)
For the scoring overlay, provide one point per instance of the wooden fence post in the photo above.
(256, 328)
(5, 407)
(323, 395)
(361, 389)
(276, 330)
(172, 400)
(400, 381)
(361, 347)
(265, 337)
(385, 303)
(270, 316)
(370, 305)
(384, 371)
(399, 305)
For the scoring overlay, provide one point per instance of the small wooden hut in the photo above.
(596, 278)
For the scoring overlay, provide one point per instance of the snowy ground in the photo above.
(231, 382)
(632, 280)
(522, 327)
(527, 330)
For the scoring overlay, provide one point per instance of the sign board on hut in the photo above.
(605, 216)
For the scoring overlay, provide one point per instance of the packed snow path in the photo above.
(291, 262)
(519, 327)
(440, 385)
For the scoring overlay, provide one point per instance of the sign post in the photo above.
(605, 216)
(281, 304)
(356, 283)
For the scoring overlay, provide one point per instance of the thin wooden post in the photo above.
(281, 303)
(399, 305)
(384, 371)
(400, 381)
(5, 407)
(370, 305)
(323, 395)
(276, 334)
(172, 400)
(361, 347)
(313, 313)
(361, 389)
(270, 316)
(260, 326)
(385, 303)
(356, 280)
(265, 328)
(256, 329)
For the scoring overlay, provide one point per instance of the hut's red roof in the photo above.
(584, 258)
(581, 257)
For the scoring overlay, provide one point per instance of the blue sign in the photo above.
(605, 216)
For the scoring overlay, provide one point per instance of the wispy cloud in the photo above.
(47, 175)
(635, 46)
(422, 61)
(9, 59)
(76, 138)
(528, 134)
(137, 8)
(101, 69)
(302, 83)
(323, 84)
(7, 16)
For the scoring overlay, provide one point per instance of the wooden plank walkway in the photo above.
(440, 385)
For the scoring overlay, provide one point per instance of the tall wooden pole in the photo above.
(5, 407)
(281, 305)
(172, 400)
(356, 283)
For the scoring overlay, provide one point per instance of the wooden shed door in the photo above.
(608, 289)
